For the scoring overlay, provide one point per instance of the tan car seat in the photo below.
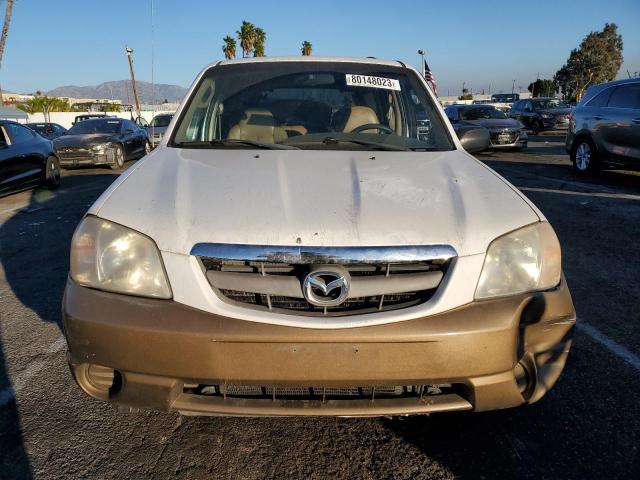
(361, 116)
(257, 125)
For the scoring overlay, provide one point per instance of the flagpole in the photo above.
(421, 53)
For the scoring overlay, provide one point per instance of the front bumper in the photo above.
(555, 123)
(83, 156)
(495, 354)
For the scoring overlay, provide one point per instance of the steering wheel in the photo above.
(373, 126)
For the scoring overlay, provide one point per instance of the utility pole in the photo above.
(133, 80)
(513, 86)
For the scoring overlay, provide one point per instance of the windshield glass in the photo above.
(552, 103)
(96, 126)
(311, 105)
(161, 121)
(480, 113)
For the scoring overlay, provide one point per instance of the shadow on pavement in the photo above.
(34, 259)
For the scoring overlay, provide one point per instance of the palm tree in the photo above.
(3, 37)
(258, 45)
(307, 48)
(247, 37)
(229, 47)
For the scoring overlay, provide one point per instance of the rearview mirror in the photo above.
(474, 139)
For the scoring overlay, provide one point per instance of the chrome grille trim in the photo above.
(271, 277)
(310, 255)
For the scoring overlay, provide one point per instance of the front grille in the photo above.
(396, 282)
(503, 137)
(75, 154)
(318, 392)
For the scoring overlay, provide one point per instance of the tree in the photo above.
(598, 59)
(3, 36)
(110, 107)
(543, 87)
(307, 48)
(44, 104)
(247, 37)
(229, 47)
(259, 40)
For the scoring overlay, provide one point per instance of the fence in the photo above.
(66, 118)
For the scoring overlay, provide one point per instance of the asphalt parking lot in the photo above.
(588, 426)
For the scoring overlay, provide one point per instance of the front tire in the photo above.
(536, 127)
(52, 177)
(118, 158)
(147, 148)
(584, 156)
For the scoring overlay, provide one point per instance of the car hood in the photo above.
(85, 140)
(496, 123)
(180, 197)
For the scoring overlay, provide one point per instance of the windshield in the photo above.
(480, 113)
(311, 105)
(161, 121)
(95, 126)
(552, 103)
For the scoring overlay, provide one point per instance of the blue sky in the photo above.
(81, 42)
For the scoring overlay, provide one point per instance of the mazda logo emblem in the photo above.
(325, 288)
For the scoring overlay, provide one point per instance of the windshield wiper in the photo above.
(367, 143)
(232, 142)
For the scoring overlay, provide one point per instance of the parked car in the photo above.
(90, 116)
(111, 141)
(605, 127)
(541, 114)
(504, 132)
(27, 160)
(296, 246)
(505, 97)
(158, 127)
(47, 130)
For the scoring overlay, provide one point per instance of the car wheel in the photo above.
(584, 156)
(52, 176)
(118, 158)
(147, 147)
(536, 127)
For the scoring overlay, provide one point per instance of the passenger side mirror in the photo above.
(474, 139)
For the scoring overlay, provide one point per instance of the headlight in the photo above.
(114, 258)
(99, 148)
(522, 261)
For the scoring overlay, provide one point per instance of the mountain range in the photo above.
(121, 90)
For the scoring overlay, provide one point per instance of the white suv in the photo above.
(310, 238)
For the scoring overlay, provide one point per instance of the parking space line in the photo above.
(618, 196)
(611, 345)
(8, 394)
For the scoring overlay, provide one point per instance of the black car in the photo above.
(540, 114)
(605, 127)
(111, 141)
(47, 130)
(505, 132)
(26, 159)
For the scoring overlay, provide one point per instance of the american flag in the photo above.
(431, 80)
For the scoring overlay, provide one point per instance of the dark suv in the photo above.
(605, 127)
(540, 114)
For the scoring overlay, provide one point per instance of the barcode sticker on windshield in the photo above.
(372, 82)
